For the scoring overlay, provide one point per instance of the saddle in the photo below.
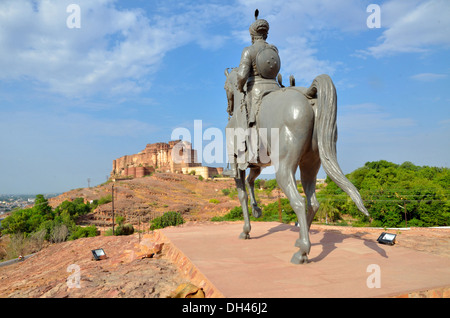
(251, 151)
(310, 93)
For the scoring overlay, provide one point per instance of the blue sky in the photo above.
(74, 99)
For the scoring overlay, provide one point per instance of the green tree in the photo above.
(270, 185)
(328, 211)
(42, 207)
(387, 188)
(56, 225)
(16, 222)
(74, 208)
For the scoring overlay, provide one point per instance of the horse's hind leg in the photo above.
(254, 173)
(243, 199)
(286, 180)
(309, 167)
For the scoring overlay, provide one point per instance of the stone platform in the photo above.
(340, 265)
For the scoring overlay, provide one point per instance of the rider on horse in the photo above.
(257, 72)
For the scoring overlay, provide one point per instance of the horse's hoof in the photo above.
(299, 258)
(304, 245)
(244, 236)
(256, 211)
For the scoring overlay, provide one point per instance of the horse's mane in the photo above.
(228, 85)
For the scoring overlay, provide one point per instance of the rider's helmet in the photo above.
(260, 27)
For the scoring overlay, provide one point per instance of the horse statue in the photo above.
(305, 121)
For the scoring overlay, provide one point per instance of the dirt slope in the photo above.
(152, 196)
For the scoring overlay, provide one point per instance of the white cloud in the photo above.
(300, 16)
(413, 26)
(118, 51)
(111, 46)
(428, 77)
(113, 52)
(298, 58)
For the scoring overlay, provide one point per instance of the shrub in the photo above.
(215, 201)
(105, 199)
(59, 233)
(270, 213)
(170, 218)
(226, 191)
(88, 231)
(22, 244)
(234, 215)
(120, 220)
(17, 245)
(37, 240)
(233, 193)
(124, 229)
(3, 252)
(270, 185)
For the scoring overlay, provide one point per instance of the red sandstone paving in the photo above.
(339, 258)
(125, 274)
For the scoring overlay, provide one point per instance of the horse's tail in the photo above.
(326, 131)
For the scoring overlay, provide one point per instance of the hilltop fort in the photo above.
(175, 156)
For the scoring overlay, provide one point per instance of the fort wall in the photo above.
(205, 172)
(176, 156)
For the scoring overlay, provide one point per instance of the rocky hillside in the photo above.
(125, 273)
(142, 199)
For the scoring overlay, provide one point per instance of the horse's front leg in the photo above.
(243, 199)
(254, 173)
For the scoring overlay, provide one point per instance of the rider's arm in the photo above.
(244, 69)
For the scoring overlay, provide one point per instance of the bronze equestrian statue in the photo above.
(294, 127)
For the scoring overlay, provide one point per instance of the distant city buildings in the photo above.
(9, 204)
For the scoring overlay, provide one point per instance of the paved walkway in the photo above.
(340, 265)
